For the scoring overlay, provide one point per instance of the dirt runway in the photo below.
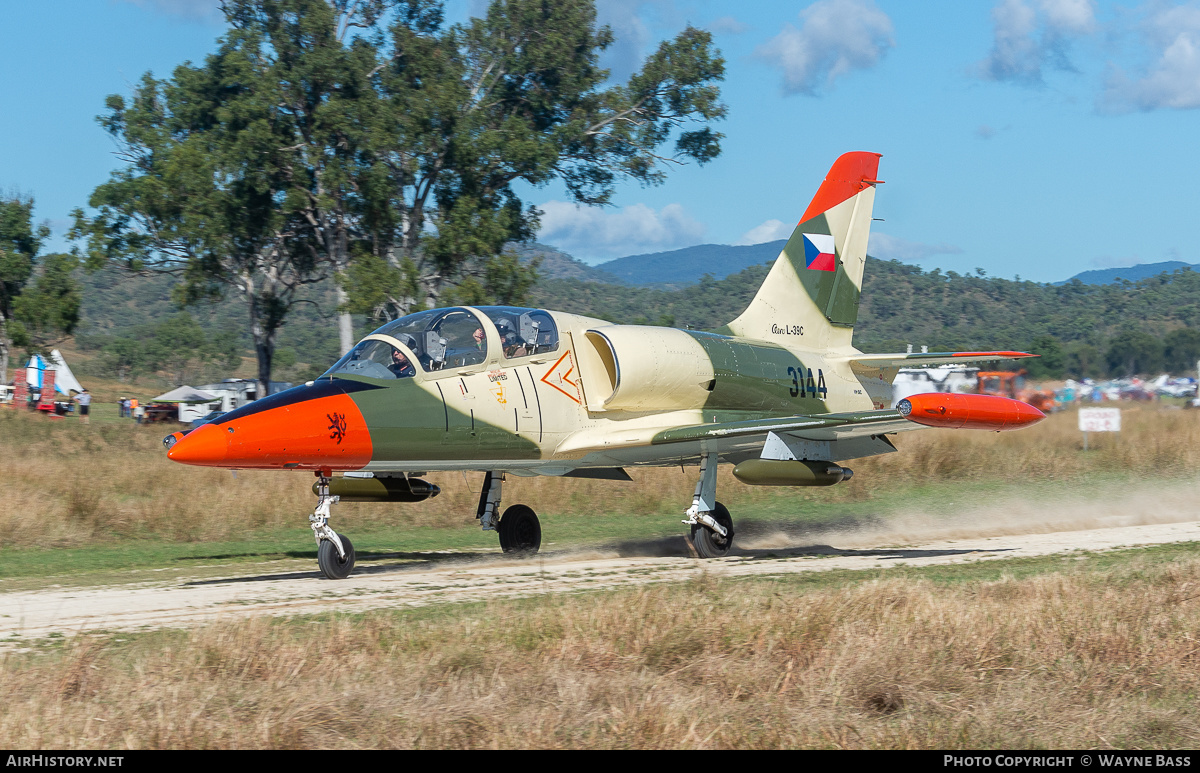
(393, 580)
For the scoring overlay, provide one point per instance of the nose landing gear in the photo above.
(335, 552)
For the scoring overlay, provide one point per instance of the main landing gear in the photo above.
(335, 552)
(711, 532)
(519, 529)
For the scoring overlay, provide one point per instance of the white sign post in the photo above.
(1098, 420)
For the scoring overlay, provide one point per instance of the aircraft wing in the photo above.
(918, 359)
(827, 426)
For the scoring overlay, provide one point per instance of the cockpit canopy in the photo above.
(523, 332)
(449, 338)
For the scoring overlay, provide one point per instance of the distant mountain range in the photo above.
(686, 266)
(679, 268)
(1108, 276)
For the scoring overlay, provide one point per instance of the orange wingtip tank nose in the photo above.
(956, 411)
(205, 445)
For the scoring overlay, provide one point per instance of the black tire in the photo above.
(332, 565)
(709, 544)
(520, 530)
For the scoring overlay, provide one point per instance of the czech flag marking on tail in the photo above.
(818, 252)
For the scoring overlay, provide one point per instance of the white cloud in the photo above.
(769, 231)
(1172, 35)
(834, 38)
(592, 233)
(887, 247)
(1028, 38)
(1075, 16)
(194, 10)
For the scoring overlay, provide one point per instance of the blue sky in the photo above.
(1037, 138)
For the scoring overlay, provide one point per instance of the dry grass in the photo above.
(1081, 657)
(79, 485)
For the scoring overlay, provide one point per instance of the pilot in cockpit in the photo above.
(513, 345)
(401, 366)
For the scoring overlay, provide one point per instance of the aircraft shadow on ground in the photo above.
(794, 539)
(668, 547)
(791, 540)
(414, 562)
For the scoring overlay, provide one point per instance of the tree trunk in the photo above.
(5, 346)
(345, 322)
(264, 345)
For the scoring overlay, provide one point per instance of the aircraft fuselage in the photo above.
(597, 397)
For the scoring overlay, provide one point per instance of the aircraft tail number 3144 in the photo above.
(780, 392)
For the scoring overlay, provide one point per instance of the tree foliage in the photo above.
(467, 111)
(373, 142)
(178, 346)
(39, 297)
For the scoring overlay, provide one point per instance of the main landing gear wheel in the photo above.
(332, 565)
(708, 543)
(520, 530)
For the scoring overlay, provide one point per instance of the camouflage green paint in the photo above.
(410, 424)
(833, 291)
(753, 378)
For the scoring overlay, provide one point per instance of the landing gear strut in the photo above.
(335, 552)
(519, 528)
(711, 532)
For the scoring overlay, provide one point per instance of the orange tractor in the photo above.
(1012, 384)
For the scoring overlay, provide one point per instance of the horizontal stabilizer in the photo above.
(919, 359)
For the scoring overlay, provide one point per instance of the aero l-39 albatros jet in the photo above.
(780, 392)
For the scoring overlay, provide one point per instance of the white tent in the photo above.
(185, 394)
(64, 380)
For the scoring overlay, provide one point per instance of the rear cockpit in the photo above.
(450, 340)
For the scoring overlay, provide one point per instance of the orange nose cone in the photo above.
(940, 409)
(206, 446)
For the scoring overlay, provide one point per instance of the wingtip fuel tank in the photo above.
(961, 411)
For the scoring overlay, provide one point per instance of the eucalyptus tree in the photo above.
(240, 172)
(469, 110)
(369, 141)
(39, 298)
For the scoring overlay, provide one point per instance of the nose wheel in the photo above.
(333, 565)
(335, 552)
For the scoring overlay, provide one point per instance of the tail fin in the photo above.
(810, 297)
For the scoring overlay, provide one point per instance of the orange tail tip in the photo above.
(851, 173)
(956, 411)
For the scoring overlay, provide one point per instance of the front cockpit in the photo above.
(450, 340)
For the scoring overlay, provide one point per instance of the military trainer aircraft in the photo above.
(780, 392)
